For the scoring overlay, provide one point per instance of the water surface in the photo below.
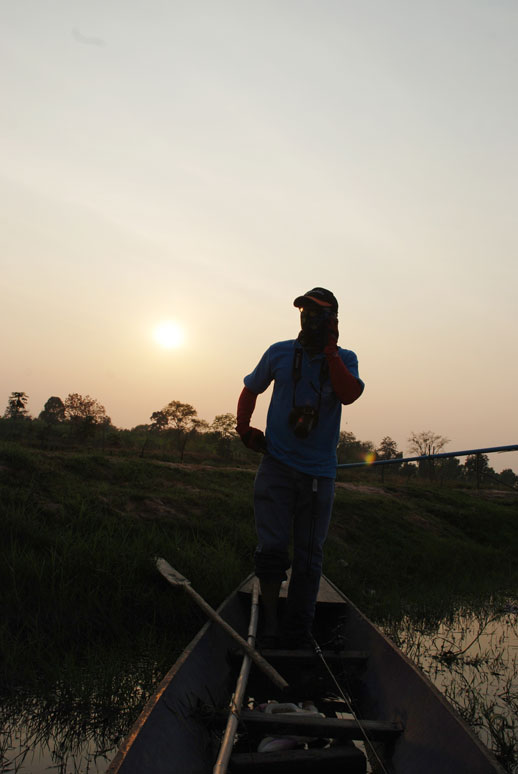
(471, 657)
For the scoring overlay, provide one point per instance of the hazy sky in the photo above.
(206, 162)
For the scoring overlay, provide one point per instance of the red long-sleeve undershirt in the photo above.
(346, 386)
(245, 409)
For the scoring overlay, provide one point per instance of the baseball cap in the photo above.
(319, 296)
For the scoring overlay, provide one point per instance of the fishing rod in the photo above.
(348, 701)
(424, 457)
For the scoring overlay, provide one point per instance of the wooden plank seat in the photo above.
(332, 657)
(301, 724)
(331, 760)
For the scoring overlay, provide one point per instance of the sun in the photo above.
(168, 335)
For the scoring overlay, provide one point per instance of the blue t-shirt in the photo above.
(316, 454)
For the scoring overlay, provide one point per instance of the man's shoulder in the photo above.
(283, 346)
(347, 354)
(281, 350)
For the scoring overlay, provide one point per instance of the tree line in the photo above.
(422, 444)
(82, 421)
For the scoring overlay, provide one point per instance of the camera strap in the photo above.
(296, 372)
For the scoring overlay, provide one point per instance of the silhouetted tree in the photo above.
(180, 415)
(508, 477)
(182, 418)
(477, 466)
(345, 441)
(408, 469)
(224, 425)
(159, 421)
(224, 429)
(53, 412)
(387, 450)
(449, 468)
(425, 443)
(86, 414)
(80, 408)
(17, 406)
(193, 427)
(350, 449)
(52, 416)
(476, 462)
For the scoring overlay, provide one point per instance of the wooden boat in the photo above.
(401, 723)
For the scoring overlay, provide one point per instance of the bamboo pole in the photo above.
(227, 743)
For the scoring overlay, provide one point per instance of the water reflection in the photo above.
(472, 658)
(76, 726)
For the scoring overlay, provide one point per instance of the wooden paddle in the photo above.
(177, 579)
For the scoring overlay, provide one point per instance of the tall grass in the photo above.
(76, 562)
(80, 533)
(420, 547)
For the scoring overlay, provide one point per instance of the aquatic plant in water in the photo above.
(472, 658)
(78, 725)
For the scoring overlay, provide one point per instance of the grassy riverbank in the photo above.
(79, 533)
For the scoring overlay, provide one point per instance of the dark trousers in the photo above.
(289, 503)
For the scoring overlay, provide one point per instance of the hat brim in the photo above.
(302, 300)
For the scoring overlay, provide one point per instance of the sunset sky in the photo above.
(204, 162)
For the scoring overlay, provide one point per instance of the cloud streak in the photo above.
(87, 40)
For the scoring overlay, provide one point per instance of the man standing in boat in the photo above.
(294, 486)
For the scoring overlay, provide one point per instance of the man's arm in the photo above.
(252, 437)
(346, 386)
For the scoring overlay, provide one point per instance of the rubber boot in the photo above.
(270, 598)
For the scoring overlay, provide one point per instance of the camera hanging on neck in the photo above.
(303, 419)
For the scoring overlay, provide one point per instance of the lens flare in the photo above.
(370, 457)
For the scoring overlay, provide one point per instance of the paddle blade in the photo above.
(172, 575)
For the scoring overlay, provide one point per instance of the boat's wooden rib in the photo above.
(302, 657)
(334, 760)
(422, 735)
(299, 724)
